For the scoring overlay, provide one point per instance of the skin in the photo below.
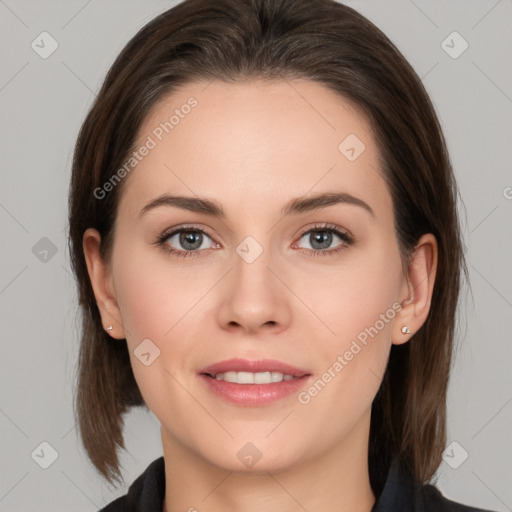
(252, 147)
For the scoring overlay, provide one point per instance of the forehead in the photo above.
(261, 140)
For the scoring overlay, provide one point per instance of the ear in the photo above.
(102, 283)
(417, 289)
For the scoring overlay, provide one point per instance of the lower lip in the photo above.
(253, 395)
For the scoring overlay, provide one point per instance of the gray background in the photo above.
(42, 105)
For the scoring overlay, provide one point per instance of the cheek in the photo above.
(357, 296)
(358, 304)
(152, 306)
(359, 309)
(152, 295)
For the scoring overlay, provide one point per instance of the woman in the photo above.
(264, 231)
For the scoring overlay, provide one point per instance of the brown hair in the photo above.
(319, 40)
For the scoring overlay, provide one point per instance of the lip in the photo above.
(253, 395)
(245, 365)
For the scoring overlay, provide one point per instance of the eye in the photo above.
(321, 237)
(191, 240)
(185, 241)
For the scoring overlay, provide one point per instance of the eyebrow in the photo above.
(295, 206)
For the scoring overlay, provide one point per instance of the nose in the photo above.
(253, 298)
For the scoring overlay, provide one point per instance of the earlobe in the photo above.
(101, 281)
(417, 290)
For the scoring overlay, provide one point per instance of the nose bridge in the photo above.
(254, 296)
(253, 279)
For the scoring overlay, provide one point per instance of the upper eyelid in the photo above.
(177, 230)
(327, 227)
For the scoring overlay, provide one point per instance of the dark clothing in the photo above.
(400, 494)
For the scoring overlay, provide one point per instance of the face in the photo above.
(315, 288)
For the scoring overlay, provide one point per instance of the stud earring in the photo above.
(109, 328)
(405, 330)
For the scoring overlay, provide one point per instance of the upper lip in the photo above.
(246, 365)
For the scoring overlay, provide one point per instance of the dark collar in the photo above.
(399, 494)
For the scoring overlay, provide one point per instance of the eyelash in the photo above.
(329, 228)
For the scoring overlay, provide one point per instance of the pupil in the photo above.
(192, 238)
(323, 238)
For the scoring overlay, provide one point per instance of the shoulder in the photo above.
(145, 494)
(402, 493)
(432, 500)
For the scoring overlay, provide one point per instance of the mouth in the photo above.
(253, 383)
(246, 371)
(252, 378)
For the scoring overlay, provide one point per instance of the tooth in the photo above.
(262, 378)
(230, 377)
(245, 378)
(277, 376)
(253, 378)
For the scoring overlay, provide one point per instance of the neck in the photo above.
(339, 476)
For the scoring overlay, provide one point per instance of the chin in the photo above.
(254, 457)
